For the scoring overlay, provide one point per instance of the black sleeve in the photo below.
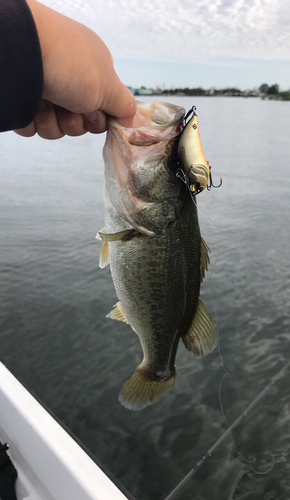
(21, 70)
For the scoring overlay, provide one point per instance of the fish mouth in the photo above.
(156, 116)
(140, 182)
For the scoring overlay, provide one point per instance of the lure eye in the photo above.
(195, 188)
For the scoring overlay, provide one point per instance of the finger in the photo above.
(95, 122)
(119, 101)
(28, 131)
(70, 123)
(46, 122)
(126, 122)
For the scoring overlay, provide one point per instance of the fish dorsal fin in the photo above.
(200, 338)
(104, 255)
(118, 313)
(204, 258)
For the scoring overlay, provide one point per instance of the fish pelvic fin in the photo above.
(200, 338)
(118, 313)
(104, 255)
(204, 258)
(142, 389)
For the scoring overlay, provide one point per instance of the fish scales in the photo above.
(164, 295)
(155, 251)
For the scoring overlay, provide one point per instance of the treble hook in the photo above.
(193, 189)
(210, 183)
(188, 114)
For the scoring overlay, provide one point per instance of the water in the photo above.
(54, 298)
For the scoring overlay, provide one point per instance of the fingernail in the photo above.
(93, 116)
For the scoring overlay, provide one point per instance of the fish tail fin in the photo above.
(200, 338)
(143, 389)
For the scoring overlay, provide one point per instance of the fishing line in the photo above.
(211, 223)
(228, 432)
(286, 449)
(244, 414)
(226, 373)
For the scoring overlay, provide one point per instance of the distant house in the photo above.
(251, 93)
(141, 91)
(210, 91)
(132, 90)
(144, 91)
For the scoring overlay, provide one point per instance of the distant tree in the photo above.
(198, 91)
(274, 89)
(285, 96)
(264, 88)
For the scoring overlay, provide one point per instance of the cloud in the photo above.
(187, 31)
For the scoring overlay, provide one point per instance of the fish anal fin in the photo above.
(200, 339)
(141, 389)
(118, 313)
(204, 258)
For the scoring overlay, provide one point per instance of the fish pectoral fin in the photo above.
(118, 313)
(143, 389)
(125, 235)
(200, 338)
(204, 258)
(100, 234)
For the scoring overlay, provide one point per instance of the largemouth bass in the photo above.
(152, 241)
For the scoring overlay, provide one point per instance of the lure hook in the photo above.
(210, 183)
(194, 190)
(192, 112)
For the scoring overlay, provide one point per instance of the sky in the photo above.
(191, 43)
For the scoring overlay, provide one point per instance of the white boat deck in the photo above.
(50, 464)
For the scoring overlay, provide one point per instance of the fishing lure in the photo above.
(194, 170)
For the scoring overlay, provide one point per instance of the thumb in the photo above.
(119, 102)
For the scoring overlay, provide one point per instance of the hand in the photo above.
(80, 83)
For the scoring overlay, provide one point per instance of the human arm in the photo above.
(80, 85)
(21, 74)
